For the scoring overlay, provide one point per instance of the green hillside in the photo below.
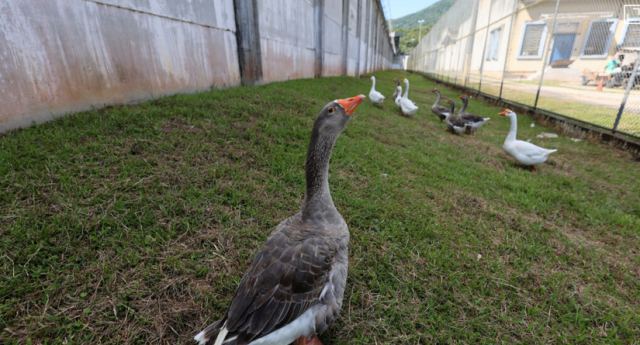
(430, 15)
(408, 26)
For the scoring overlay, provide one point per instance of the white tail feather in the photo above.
(221, 336)
(200, 338)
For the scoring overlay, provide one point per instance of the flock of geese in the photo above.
(294, 288)
(464, 122)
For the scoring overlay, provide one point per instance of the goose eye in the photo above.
(332, 110)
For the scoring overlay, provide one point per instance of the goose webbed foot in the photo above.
(308, 341)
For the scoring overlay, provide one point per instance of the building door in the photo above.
(562, 47)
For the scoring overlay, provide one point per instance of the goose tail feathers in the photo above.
(214, 334)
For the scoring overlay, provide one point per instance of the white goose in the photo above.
(374, 95)
(406, 105)
(524, 152)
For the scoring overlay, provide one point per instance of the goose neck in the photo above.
(318, 196)
(465, 103)
(513, 129)
(437, 102)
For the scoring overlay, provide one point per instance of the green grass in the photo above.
(133, 224)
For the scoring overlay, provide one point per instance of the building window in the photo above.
(599, 38)
(493, 47)
(632, 35)
(533, 40)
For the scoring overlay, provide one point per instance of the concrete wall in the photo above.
(289, 41)
(58, 56)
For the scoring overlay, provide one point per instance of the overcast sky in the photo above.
(399, 8)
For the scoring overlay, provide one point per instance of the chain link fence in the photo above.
(575, 58)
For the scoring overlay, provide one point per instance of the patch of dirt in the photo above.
(251, 122)
(178, 124)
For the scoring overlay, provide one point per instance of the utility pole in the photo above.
(420, 31)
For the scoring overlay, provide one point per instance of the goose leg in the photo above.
(308, 341)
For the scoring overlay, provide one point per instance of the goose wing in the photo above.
(456, 121)
(379, 94)
(407, 104)
(530, 150)
(376, 95)
(468, 117)
(440, 109)
(286, 278)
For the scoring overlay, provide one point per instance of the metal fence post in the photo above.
(508, 48)
(484, 48)
(472, 38)
(457, 61)
(627, 92)
(547, 54)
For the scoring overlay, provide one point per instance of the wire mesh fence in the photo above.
(576, 58)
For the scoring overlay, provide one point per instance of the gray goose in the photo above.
(473, 121)
(294, 287)
(398, 90)
(440, 111)
(454, 122)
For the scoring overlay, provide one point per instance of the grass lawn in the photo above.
(133, 224)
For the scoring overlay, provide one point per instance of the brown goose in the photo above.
(294, 287)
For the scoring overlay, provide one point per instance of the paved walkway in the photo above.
(581, 94)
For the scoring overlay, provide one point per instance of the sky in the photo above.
(399, 8)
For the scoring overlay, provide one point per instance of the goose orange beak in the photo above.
(350, 104)
(504, 112)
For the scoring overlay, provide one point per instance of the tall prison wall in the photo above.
(60, 56)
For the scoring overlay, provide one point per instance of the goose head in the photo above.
(373, 78)
(406, 81)
(507, 112)
(436, 91)
(464, 97)
(335, 115)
